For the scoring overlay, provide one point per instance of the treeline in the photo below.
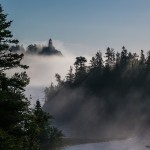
(111, 93)
(21, 127)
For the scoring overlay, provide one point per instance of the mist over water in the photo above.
(42, 70)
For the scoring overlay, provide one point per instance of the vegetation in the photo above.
(113, 91)
(34, 49)
(21, 128)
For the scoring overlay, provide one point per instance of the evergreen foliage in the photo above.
(117, 84)
(21, 128)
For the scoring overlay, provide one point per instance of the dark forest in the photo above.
(108, 98)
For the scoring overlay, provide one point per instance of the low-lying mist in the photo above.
(42, 70)
(85, 115)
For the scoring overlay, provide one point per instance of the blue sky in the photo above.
(96, 24)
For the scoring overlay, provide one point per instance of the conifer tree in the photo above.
(13, 103)
(70, 76)
(110, 58)
(97, 61)
(11, 88)
(21, 128)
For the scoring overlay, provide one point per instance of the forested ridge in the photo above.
(109, 97)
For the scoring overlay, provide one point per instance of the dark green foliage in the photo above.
(41, 131)
(110, 58)
(118, 89)
(21, 128)
(96, 63)
(12, 99)
(80, 69)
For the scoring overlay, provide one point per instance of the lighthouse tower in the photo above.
(50, 43)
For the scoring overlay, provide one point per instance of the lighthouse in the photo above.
(50, 49)
(50, 43)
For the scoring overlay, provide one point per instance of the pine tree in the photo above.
(11, 88)
(97, 61)
(124, 57)
(110, 58)
(47, 135)
(70, 76)
(80, 69)
(79, 64)
(21, 128)
(13, 103)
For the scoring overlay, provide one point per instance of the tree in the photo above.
(142, 58)
(21, 128)
(11, 88)
(47, 135)
(80, 65)
(147, 63)
(80, 69)
(58, 79)
(118, 58)
(132, 60)
(17, 48)
(124, 57)
(97, 61)
(13, 103)
(110, 58)
(32, 49)
(70, 76)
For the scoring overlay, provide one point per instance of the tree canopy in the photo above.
(116, 85)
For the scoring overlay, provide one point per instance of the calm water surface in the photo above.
(129, 144)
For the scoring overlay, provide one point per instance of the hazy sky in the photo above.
(85, 25)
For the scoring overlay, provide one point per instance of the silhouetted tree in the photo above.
(110, 58)
(13, 103)
(70, 76)
(80, 69)
(97, 61)
(147, 63)
(32, 49)
(47, 135)
(124, 57)
(58, 79)
(18, 130)
(80, 64)
(142, 58)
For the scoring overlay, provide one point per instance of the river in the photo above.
(135, 143)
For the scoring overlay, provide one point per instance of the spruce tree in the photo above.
(13, 103)
(21, 128)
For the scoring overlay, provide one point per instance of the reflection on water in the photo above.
(129, 144)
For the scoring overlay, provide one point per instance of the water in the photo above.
(129, 144)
